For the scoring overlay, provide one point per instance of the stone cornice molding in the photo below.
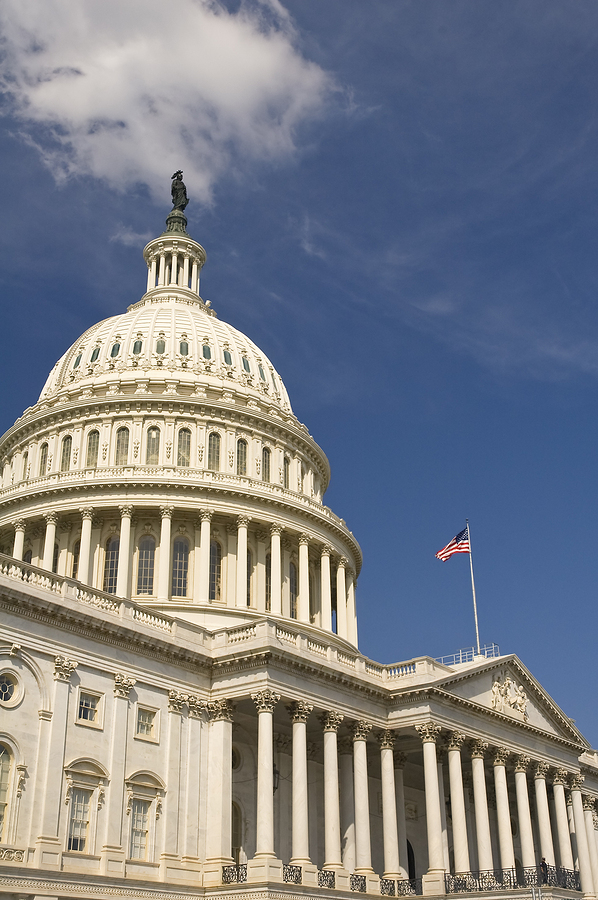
(123, 685)
(428, 732)
(299, 710)
(331, 720)
(64, 668)
(360, 731)
(265, 700)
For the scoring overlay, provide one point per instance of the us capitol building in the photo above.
(184, 710)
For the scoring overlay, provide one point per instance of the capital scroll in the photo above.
(428, 732)
(479, 749)
(561, 776)
(220, 710)
(501, 755)
(576, 782)
(123, 685)
(331, 720)
(522, 763)
(386, 739)
(454, 740)
(299, 710)
(541, 770)
(63, 668)
(266, 700)
(360, 731)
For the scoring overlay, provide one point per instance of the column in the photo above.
(265, 701)
(299, 712)
(345, 750)
(589, 810)
(242, 523)
(194, 753)
(351, 611)
(528, 855)
(162, 269)
(303, 598)
(543, 811)
(325, 593)
(203, 573)
(480, 802)
(194, 283)
(17, 550)
(460, 843)
(164, 558)
(85, 546)
(399, 760)
(341, 599)
(50, 540)
(585, 866)
(442, 799)
(433, 881)
(363, 848)
(174, 267)
(113, 852)
(390, 834)
(185, 283)
(559, 781)
(275, 570)
(505, 836)
(124, 552)
(332, 822)
(219, 797)
(171, 850)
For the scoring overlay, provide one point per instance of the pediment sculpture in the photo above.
(509, 697)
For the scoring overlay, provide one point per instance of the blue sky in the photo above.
(398, 201)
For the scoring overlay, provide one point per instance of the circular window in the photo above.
(10, 693)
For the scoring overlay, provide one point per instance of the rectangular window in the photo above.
(89, 708)
(139, 829)
(79, 820)
(146, 719)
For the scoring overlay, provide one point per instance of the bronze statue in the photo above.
(179, 191)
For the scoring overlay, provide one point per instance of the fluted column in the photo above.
(363, 846)
(325, 593)
(345, 749)
(303, 597)
(480, 800)
(505, 835)
(546, 845)
(460, 843)
(428, 734)
(332, 823)
(299, 712)
(219, 798)
(265, 701)
(559, 781)
(174, 268)
(242, 523)
(351, 610)
(589, 809)
(341, 598)
(390, 834)
(113, 851)
(203, 573)
(124, 551)
(19, 544)
(528, 856)
(275, 570)
(583, 852)
(162, 269)
(164, 559)
(50, 540)
(85, 546)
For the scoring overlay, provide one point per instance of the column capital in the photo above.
(522, 763)
(304, 538)
(196, 706)
(219, 710)
(561, 776)
(123, 684)
(205, 515)
(386, 739)
(176, 700)
(86, 512)
(501, 755)
(589, 802)
(331, 720)
(299, 710)
(541, 769)
(576, 782)
(166, 512)
(276, 529)
(19, 524)
(63, 668)
(478, 748)
(428, 732)
(343, 562)
(51, 518)
(454, 740)
(360, 731)
(243, 521)
(126, 511)
(326, 550)
(266, 700)
(399, 759)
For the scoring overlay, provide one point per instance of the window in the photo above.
(268, 582)
(89, 710)
(266, 455)
(79, 820)
(25, 465)
(115, 350)
(77, 362)
(180, 567)
(111, 565)
(246, 365)
(249, 574)
(65, 456)
(139, 828)
(145, 569)
(206, 351)
(8, 686)
(153, 447)
(293, 589)
(241, 457)
(122, 447)
(93, 445)
(5, 760)
(43, 459)
(262, 373)
(76, 554)
(214, 452)
(228, 360)
(184, 348)
(94, 354)
(286, 472)
(183, 456)
(215, 571)
(146, 720)
(137, 347)
(55, 559)
(161, 346)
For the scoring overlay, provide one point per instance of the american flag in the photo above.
(459, 544)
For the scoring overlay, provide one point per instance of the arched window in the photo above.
(293, 589)
(161, 346)
(76, 554)
(25, 465)
(137, 347)
(286, 472)
(214, 452)
(241, 457)
(266, 455)
(228, 360)
(249, 574)
(5, 761)
(246, 365)
(206, 351)
(27, 557)
(121, 457)
(180, 567)
(268, 582)
(215, 571)
(93, 445)
(94, 354)
(145, 568)
(115, 350)
(236, 834)
(111, 565)
(43, 459)
(65, 456)
(77, 362)
(183, 456)
(152, 454)
(55, 559)
(262, 373)
(184, 348)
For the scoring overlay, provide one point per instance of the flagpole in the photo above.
(475, 605)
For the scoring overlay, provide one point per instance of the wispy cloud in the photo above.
(125, 235)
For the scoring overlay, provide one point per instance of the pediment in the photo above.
(507, 688)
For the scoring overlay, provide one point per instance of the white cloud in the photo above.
(130, 92)
(125, 235)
